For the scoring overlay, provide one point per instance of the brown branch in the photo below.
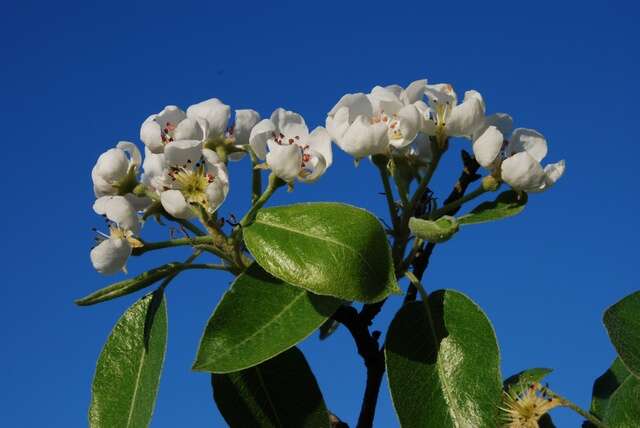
(370, 351)
(421, 261)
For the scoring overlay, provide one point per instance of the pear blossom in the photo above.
(367, 124)
(171, 124)
(207, 121)
(443, 117)
(517, 161)
(114, 167)
(523, 409)
(290, 151)
(113, 250)
(192, 177)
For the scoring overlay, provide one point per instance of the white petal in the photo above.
(441, 93)
(414, 92)
(153, 166)
(356, 104)
(407, 122)
(120, 211)
(214, 113)
(259, 136)
(175, 204)
(384, 100)
(487, 146)
(553, 172)
(188, 129)
(245, 121)
(112, 165)
(364, 139)
(151, 135)
(183, 153)
(284, 160)
(466, 116)
(421, 148)
(170, 115)
(289, 123)
(132, 151)
(320, 141)
(338, 123)
(216, 194)
(139, 203)
(110, 256)
(523, 172)
(528, 140)
(314, 168)
(217, 169)
(427, 125)
(101, 187)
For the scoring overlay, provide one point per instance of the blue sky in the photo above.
(78, 77)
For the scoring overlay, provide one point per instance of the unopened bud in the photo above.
(437, 231)
(490, 183)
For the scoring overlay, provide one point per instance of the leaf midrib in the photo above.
(299, 232)
(136, 385)
(264, 326)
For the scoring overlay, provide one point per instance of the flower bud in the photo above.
(490, 183)
(440, 230)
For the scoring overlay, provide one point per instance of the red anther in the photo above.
(291, 140)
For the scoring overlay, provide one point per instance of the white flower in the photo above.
(524, 408)
(212, 115)
(193, 177)
(367, 124)
(171, 124)
(517, 160)
(114, 167)
(443, 117)
(289, 149)
(113, 250)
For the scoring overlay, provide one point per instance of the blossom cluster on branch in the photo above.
(184, 171)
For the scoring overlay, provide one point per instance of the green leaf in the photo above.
(128, 286)
(259, 317)
(437, 231)
(507, 204)
(622, 321)
(327, 248)
(125, 384)
(623, 410)
(279, 393)
(606, 385)
(525, 377)
(443, 364)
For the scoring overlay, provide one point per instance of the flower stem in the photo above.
(274, 184)
(579, 410)
(447, 208)
(425, 300)
(256, 178)
(151, 246)
(380, 162)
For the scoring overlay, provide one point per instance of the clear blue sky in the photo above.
(78, 77)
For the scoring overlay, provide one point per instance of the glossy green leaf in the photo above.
(535, 375)
(128, 286)
(128, 369)
(606, 385)
(327, 248)
(279, 393)
(507, 204)
(440, 230)
(623, 410)
(259, 317)
(443, 364)
(622, 321)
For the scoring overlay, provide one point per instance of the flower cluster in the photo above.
(184, 171)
